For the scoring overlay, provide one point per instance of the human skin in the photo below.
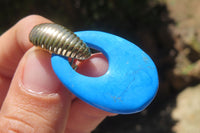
(32, 99)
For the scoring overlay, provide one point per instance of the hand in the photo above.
(32, 99)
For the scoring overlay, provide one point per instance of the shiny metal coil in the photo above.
(59, 40)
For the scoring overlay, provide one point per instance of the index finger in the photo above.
(15, 42)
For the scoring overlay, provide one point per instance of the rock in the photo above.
(187, 111)
(186, 16)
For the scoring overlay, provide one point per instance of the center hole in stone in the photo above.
(95, 66)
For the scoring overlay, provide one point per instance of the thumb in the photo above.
(36, 102)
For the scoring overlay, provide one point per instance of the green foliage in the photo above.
(195, 44)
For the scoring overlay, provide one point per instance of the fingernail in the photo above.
(38, 75)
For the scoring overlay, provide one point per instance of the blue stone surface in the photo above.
(129, 85)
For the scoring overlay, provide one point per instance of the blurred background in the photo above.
(168, 30)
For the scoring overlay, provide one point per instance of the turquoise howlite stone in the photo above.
(129, 85)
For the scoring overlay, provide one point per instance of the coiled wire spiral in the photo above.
(59, 40)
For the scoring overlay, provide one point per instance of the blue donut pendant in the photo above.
(128, 86)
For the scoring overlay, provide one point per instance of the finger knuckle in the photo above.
(14, 124)
(24, 121)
